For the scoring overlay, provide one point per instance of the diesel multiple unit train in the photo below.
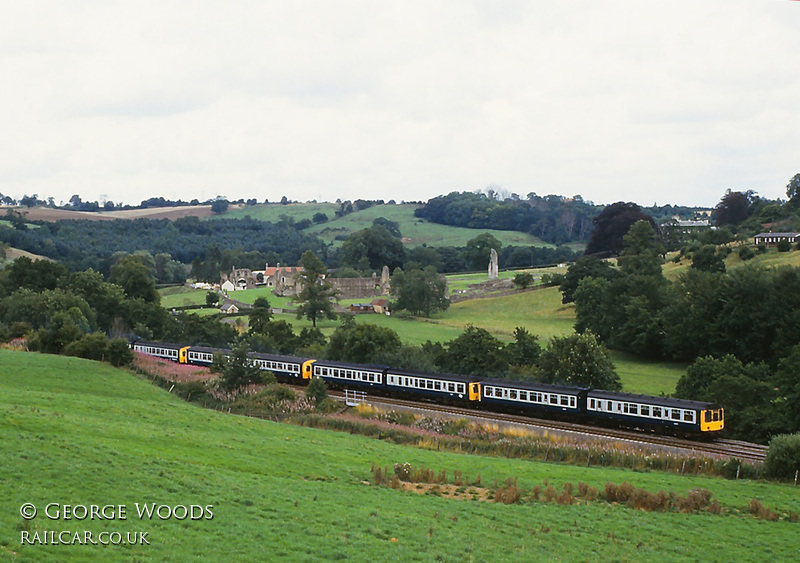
(535, 399)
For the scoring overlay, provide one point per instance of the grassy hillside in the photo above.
(415, 231)
(76, 432)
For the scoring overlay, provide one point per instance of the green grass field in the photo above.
(80, 433)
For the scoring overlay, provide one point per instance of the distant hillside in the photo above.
(51, 215)
(415, 231)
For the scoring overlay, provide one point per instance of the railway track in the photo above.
(719, 448)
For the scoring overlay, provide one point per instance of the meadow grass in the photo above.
(540, 311)
(272, 212)
(77, 432)
(647, 377)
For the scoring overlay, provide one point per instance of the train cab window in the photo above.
(645, 410)
(717, 416)
(512, 394)
(688, 416)
(676, 414)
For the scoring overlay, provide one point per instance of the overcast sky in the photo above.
(645, 101)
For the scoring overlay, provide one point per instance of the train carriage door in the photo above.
(474, 391)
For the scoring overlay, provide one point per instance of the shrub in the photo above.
(90, 346)
(784, 245)
(760, 511)
(119, 353)
(508, 492)
(317, 391)
(783, 456)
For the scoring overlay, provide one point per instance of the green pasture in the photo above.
(459, 282)
(415, 231)
(538, 310)
(77, 432)
(272, 212)
(647, 377)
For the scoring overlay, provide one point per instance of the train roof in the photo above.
(350, 365)
(433, 375)
(660, 401)
(534, 386)
(276, 357)
(207, 349)
(169, 345)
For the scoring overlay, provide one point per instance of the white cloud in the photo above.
(642, 101)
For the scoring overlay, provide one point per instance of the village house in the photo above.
(380, 306)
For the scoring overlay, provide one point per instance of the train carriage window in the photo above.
(553, 399)
(437, 385)
(688, 416)
(512, 394)
(591, 403)
(572, 402)
(676, 414)
(657, 412)
(645, 410)
(460, 388)
(564, 400)
(523, 395)
(430, 384)
(451, 387)
(610, 408)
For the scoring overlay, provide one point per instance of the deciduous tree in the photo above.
(315, 296)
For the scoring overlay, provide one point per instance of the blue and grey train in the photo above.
(594, 406)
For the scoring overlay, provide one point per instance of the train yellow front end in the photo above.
(308, 369)
(712, 420)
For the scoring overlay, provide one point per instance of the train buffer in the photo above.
(353, 398)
